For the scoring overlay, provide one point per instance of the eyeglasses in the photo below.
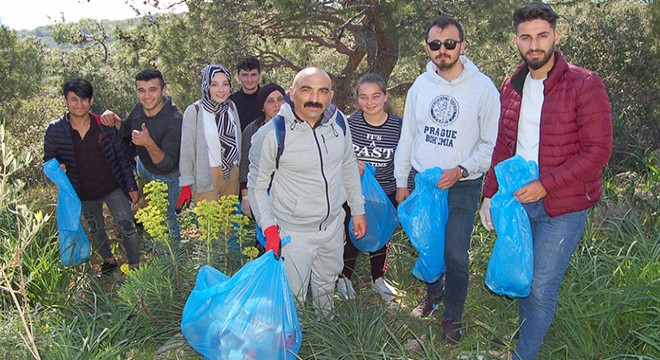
(435, 45)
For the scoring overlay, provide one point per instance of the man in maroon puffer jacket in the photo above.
(558, 115)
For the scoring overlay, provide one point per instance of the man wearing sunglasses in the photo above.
(449, 121)
(558, 115)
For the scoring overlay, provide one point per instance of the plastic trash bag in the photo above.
(248, 316)
(74, 246)
(423, 216)
(382, 218)
(511, 263)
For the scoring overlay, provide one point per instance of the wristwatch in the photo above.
(464, 172)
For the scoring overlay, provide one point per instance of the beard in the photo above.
(444, 62)
(537, 64)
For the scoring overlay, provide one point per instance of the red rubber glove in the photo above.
(273, 240)
(184, 198)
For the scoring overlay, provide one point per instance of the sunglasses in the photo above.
(435, 45)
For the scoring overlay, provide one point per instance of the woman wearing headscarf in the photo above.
(270, 98)
(210, 141)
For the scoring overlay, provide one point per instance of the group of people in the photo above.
(296, 161)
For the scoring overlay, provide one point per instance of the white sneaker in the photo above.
(385, 290)
(345, 289)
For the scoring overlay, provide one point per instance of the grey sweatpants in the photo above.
(315, 255)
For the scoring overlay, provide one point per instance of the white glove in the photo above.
(484, 213)
(245, 207)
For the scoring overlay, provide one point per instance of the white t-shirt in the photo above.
(529, 124)
(212, 139)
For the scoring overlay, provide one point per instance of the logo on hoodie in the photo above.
(444, 110)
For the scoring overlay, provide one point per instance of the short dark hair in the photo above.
(443, 22)
(78, 86)
(148, 74)
(248, 63)
(533, 11)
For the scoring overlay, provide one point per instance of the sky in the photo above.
(29, 14)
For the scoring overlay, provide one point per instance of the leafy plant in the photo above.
(153, 217)
(219, 221)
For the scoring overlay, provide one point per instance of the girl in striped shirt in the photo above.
(375, 133)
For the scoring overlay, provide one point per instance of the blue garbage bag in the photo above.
(423, 216)
(248, 316)
(511, 263)
(74, 246)
(381, 215)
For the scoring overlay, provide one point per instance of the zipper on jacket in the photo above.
(324, 144)
(586, 193)
(325, 180)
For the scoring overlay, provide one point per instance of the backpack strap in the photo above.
(280, 133)
(339, 119)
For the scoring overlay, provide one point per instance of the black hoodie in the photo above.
(164, 128)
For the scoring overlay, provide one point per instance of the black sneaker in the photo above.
(108, 268)
(451, 332)
(425, 306)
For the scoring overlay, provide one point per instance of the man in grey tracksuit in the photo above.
(316, 173)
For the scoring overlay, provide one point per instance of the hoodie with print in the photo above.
(448, 123)
(317, 173)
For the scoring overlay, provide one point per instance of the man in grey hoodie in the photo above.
(449, 121)
(315, 174)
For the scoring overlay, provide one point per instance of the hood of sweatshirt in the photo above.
(470, 70)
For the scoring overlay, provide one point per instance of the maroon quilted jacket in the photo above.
(576, 135)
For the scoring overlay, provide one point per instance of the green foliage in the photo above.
(616, 40)
(94, 58)
(151, 293)
(152, 217)
(21, 65)
(219, 222)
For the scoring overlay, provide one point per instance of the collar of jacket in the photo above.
(560, 66)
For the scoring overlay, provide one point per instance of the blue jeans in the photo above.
(462, 199)
(172, 182)
(555, 240)
(120, 208)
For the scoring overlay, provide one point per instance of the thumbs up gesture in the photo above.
(141, 137)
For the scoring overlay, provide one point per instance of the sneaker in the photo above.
(108, 268)
(345, 289)
(451, 332)
(386, 291)
(425, 307)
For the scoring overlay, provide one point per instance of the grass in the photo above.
(608, 304)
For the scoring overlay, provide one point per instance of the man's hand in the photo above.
(359, 226)
(108, 118)
(531, 192)
(449, 177)
(185, 196)
(273, 241)
(401, 194)
(484, 213)
(134, 195)
(141, 137)
(63, 167)
(361, 167)
(245, 206)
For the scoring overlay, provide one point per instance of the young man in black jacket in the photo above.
(95, 161)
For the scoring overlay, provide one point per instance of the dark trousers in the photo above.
(378, 258)
(462, 199)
